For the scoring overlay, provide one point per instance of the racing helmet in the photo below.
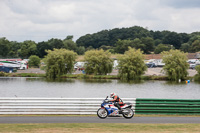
(112, 94)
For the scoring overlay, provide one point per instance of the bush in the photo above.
(59, 62)
(2, 74)
(34, 61)
(197, 76)
(175, 64)
(98, 62)
(131, 65)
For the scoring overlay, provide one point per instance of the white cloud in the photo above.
(40, 20)
(182, 3)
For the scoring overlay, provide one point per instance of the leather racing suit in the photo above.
(117, 102)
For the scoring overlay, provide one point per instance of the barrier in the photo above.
(167, 106)
(91, 105)
(52, 105)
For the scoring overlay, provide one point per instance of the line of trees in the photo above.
(131, 63)
(115, 40)
(13, 49)
(118, 40)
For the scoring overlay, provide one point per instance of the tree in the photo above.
(70, 44)
(157, 42)
(175, 64)
(98, 62)
(56, 43)
(193, 38)
(162, 47)
(110, 37)
(131, 64)
(4, 47)
(69, 37)
(185, 47)
(14, 47)
(34, 61)
(137, 44)
(42, 47)
(173, 38)
(197, 76)
(196, 46)
(104, 47)
(184, 37)
(146, 44)
(81, 50)
(89, 48)
(27, 49)
(59, 62)
(122, 46)
(149, 44)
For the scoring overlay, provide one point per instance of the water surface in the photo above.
(75, 88)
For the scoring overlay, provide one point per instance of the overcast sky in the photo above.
(41, 20)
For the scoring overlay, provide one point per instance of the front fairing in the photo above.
(104, 104)
(112, 110)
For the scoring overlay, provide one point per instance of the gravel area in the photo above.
(31, 70)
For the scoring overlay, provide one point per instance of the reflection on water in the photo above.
(50, 80)
(91, 88)
(96, 80)
(60, 80)
(197, 82)
(131, 81)
(175, 83)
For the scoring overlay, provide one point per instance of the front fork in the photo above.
(103, 109)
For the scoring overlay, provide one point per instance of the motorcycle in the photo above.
(109, 109)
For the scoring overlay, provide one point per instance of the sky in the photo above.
(41, 20)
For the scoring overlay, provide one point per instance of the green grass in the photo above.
(99, 128)
(25, 75)
(3, 74)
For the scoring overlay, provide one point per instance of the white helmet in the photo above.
(112, 94)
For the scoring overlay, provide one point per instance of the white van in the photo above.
(23, 65)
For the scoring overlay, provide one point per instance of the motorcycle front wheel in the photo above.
(102, 113)
(128, 114)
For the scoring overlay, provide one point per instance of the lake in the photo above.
(76, 88)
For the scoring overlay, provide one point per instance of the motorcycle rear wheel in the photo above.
(102, 113)
(128, 115)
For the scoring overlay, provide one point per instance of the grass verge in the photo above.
(84, 76)
(25, 75)
(99, 128)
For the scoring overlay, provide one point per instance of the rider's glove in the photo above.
(106, 101)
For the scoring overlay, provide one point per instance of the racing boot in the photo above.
(120, 109)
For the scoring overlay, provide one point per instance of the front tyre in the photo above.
(102, 113)
(128, 114)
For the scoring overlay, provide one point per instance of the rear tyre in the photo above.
(128, 113)
(102, 113)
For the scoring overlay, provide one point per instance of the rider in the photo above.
(117, 101)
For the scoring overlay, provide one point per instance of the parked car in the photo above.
(192, 66)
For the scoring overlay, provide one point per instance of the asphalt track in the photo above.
(93, 119)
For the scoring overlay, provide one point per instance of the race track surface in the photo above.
(93, 119)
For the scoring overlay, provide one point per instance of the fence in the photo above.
(167, 106)
(52, 105)
(90, 105)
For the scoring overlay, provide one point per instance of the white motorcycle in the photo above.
(108, 109)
